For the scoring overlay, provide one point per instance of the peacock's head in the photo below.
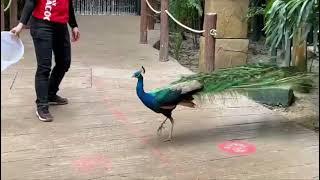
(138, 73)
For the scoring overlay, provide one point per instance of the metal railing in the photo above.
(105, 7)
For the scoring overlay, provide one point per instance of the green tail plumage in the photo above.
(250, 77)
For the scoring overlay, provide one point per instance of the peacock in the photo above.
(236, 79)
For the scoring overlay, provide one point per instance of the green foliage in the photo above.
(268, 5)
(188, 12)
(254, 11)
(276, 24)
(4, 3)
(185, 11)
(250, 77)
(177, 45)
(256, 7)
(287, 16)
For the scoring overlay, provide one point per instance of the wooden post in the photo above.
(151, 20)
(164, 32)
(143, 23)
(210, 42)
(13, 13)
(2, 18)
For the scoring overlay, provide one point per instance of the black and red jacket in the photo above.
(56, 11)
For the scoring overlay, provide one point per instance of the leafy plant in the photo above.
(288, 18)
(185, 11)
(254, 11)
(4, 3)
(285, 17)
(177, 45)
(276, 25)
(188, 12)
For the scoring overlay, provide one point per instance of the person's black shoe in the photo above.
(57, 100)
(44, 114)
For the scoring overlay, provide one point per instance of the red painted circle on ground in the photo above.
(91, 163)
(237, 147)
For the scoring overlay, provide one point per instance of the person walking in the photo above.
(49, 21)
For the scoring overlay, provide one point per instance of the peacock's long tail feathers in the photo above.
(249, 77)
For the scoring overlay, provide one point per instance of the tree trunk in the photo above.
(274, 56)
(315, 41)
(315, 44)
(299, 50)
(287, 55)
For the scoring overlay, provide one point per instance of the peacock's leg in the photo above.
(161, 126)
(170, 135)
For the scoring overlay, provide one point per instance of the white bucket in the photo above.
(12, 49)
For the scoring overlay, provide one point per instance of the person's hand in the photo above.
(75, 34)
(17, 30)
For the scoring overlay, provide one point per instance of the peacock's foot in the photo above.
(159, 131)
(167, 140)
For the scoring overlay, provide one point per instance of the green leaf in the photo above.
(303, 12)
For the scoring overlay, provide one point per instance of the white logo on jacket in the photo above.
(48, 8)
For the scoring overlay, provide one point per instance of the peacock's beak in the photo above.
(133, 76)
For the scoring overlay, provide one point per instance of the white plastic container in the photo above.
(12, 49)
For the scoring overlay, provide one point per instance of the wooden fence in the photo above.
(209, 32)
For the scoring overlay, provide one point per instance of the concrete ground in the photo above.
(106, 133)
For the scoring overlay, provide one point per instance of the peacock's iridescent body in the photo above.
(249, 77)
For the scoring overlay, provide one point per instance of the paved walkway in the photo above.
(106, 133)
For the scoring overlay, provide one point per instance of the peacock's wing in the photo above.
(173, 94)
(166, 96)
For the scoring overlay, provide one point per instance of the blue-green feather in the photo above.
(164, 100)
(166, 96)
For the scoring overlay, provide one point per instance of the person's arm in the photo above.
(25, 16)
(72, 18)
(27, 11)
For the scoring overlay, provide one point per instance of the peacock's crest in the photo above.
(137, 74)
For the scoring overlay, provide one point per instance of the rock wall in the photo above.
(232, 43)
(229, 52)
(231, 14)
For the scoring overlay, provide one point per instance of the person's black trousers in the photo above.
(50, 37)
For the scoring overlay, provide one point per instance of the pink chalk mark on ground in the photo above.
(122, 118)
(88, 164)
(237, 147)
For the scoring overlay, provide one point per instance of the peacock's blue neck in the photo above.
(139, 88)
(146, 98)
